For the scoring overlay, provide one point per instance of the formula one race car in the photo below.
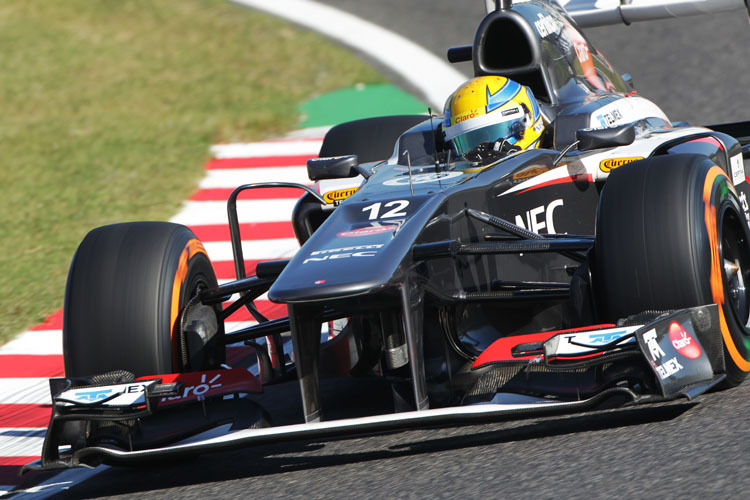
(606, 266)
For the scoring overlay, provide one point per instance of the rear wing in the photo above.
(591, 13)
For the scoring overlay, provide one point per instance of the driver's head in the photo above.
(492, 109)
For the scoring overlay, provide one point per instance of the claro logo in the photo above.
(467, 116)
(683, 342)
(612, 163)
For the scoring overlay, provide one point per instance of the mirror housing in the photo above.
(335, 167)
(598, 138)
(627, 79)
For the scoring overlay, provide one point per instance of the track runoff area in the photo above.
(28, 361)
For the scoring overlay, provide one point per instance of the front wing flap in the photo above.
(682, 348)
(91, 456)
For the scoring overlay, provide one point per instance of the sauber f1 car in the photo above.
(606, 266)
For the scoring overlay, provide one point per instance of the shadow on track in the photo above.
(283, 458)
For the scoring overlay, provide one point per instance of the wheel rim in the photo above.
(735, 257)
(199, 276)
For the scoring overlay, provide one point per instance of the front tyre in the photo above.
(670, 234)
(127, 287)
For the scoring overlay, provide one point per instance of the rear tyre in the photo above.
(127, 287)
(670, 234)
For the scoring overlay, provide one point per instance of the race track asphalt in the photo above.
(696, 69)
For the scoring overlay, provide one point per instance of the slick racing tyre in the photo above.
(670, 234)
(127, 288)
(371, 139)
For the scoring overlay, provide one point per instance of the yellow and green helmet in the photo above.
(492, 108)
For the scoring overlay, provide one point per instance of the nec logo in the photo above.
(534, 223)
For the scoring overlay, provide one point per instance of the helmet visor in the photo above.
(511, 130)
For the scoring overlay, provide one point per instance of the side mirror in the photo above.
(627, 79)
(335, 167)
(599, 138)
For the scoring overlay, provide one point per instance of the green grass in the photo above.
(109, 108)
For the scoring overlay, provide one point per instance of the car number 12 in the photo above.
(396, 211)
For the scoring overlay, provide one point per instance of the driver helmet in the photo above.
(492, 109)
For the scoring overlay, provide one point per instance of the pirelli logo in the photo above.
(339, 195)
(612, 163)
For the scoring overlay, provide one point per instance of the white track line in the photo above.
(283, 248)
(233, 177)
(22, 442)
(282, 147)
(34, 342)
(198, 213)
(25, 391)
(394, 51)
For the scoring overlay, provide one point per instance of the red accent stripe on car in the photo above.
(563, 180)
(708, 140)
(501, 349)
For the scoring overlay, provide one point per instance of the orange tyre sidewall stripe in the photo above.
(717, 282)
(192, 248)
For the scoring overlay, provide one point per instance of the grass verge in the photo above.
(109, 108)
